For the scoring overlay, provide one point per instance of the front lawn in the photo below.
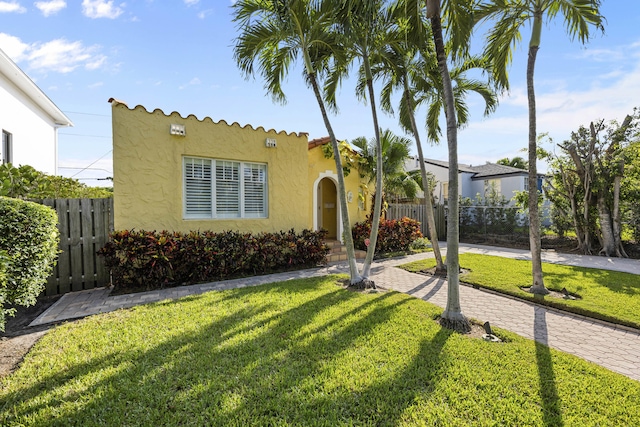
(604, 294)
(302, 353)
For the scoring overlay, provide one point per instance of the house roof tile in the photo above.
(493, 169)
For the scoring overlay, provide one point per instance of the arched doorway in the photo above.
(327, 209)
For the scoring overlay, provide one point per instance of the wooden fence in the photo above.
(419, 213)
(84, 226)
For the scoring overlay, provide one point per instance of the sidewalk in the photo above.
(615, 347)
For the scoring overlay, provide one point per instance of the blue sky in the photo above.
(176, 55)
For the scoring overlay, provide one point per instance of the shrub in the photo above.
(150, 259)
(25, 182)
(395, 235)
(420, 243)
(28, 250)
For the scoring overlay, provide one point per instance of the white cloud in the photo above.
(50, 7)
(203, 14)
(563, 111)
(193, 82)
(191, 2)
(600, 55)
(13, 47)
(96, 85)
(13, 6)
(101, 9)
(57, 55)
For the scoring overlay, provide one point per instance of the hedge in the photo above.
(149, 259)
(394, 235)
(28, 250)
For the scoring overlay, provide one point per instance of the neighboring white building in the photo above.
(474, 180)
(29, 121)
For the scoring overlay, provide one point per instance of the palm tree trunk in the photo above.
(534, 220)
(375, 221)
(342, 194)
(452, 316)
(431, 221)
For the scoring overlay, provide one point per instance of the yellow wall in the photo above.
(321, 166)
(148, 171)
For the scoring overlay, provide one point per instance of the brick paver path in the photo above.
(614, 347)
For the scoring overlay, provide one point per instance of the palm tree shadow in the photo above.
(551, 405)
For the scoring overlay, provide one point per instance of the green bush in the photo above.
(394, 235)
(150, 259)
(25, 182)
(421, 243)
(28, 250)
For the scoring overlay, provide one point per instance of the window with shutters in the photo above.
(224, 189)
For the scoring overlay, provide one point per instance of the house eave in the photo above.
(15, 75)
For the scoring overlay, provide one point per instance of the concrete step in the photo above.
(338, 252)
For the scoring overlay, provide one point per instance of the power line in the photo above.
(88, 136)
(91, 164)
(92, 169)
(86, 114)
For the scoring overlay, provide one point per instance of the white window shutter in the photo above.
(255, 194)
(197, 187)
(227, 189)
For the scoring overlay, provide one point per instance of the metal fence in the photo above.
(492, 220)
(84, 226)
(488, 223)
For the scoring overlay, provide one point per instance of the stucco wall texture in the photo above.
(148, 171)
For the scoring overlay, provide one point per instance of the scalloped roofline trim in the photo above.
(114, 102)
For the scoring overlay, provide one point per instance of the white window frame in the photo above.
(245, 171)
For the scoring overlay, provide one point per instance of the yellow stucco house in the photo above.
(181, 174)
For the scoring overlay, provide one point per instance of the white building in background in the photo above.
(475, 180)
(29, 121)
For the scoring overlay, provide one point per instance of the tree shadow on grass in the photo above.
(615, 281)
(234, 369)
(551, 404)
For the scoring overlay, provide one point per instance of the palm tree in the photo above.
(395, 150)
(516, 162)
(412, 67)
(452, 317)
(510, 16)
(396, 67)
(362, 25)
(273, 35)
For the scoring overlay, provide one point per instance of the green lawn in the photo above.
(607, 295)
(302, 353)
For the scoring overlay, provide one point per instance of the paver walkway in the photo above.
(615, 347)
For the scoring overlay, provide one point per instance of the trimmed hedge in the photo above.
(394, 235)
(28, 250)
(150, 259)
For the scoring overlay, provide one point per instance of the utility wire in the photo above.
(87, 114)
(88, 136)
(91, 164)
